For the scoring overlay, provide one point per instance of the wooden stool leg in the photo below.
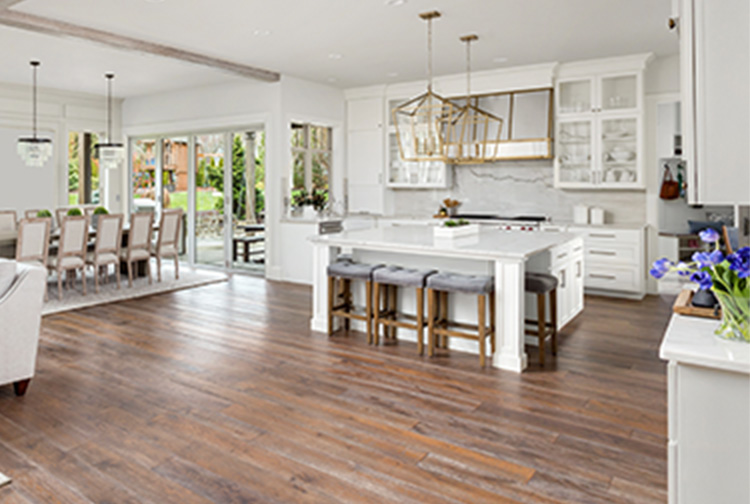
(553, 316)
(431, 316)
(542, 325)
(444, 318)
(386, 304)
(348, 301)
(376, 314)
(492, 322)
(420, 321)
(482, 327)
(331, 297)
(368, 310)
(394, 310)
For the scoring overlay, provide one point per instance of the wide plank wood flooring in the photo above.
(222, 394)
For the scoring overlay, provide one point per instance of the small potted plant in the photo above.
(74, 212)
(727, 277)
(46, 214)
(95, 217)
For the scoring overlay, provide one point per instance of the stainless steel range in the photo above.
(515, 223)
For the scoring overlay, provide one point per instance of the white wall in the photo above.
(250, 103)
(23, 187)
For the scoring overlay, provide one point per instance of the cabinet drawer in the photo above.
(611, 278)
(604, 236)
(611, 253)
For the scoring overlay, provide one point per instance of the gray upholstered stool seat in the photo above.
(352, 270)
(388, 281)
(468, 284)
(403, 277)
(343, 272)
(540, 283)
(441, 328)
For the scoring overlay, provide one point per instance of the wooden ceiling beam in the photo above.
(39, 24)
(6, 4)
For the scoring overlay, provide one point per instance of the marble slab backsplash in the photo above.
(520, 187)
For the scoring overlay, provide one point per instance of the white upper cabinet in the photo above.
(599, 124)
(715, 81)
(364, 155)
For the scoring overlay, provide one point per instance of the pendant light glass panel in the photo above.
(420, 127)
(34, 150)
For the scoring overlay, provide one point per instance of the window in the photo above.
(83, 169)
(312, 155)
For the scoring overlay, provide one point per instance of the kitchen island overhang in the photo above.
(506, 255)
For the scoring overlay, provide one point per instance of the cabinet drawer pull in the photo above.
(600, 235)
(564, 254)
(579, 265)
(577, 249)
(563, 276)
(603, 252)
(605, 277)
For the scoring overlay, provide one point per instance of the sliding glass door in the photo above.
(218, 180)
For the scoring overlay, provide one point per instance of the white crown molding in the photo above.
(633, 62)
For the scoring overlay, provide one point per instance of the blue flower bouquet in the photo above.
(727, 277)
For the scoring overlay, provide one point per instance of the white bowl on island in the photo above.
(459, 231)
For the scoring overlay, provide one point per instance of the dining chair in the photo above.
(106, 248)
(139, 243)
(60, 214)
(8, 220)
(167, 244)
(32, 246)
(71, 253)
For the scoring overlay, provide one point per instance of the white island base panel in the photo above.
(502, 254)
(709, 414)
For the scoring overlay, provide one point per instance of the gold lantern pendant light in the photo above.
(420, 121)
(472, 135)
(34, 150)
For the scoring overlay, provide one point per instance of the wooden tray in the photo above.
(683, 305)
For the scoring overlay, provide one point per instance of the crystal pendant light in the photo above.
(420, 121)
(34, 150)
(472, 135)
(110, 154)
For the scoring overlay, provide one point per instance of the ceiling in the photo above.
(377, 42)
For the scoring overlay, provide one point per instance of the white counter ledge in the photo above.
(709, 414)
(691, 340)
(506, 255)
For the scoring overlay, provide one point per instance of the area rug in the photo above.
(4, 480)
(73, 299)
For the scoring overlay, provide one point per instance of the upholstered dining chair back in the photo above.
(109, 234)
(169, 229)
(7, 220)
(34, 214)
(33, 240)
(60, 214)
(141, 230)
(74, 237)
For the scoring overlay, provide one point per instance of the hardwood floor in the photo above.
(222, 394)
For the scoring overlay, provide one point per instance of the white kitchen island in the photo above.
(504, 254)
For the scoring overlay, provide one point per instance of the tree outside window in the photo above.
(312, 155)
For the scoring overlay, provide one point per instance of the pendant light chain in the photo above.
(109, 107)
(468, 72)
(429, 54)
(34, 65)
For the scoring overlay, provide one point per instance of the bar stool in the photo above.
(542, 284)
(346, 271)
(393, 277)
(438, 324)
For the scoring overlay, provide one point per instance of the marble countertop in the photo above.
(691, 340)
(488, 244)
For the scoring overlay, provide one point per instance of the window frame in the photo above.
(308, 153)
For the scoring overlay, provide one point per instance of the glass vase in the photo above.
(735, 313)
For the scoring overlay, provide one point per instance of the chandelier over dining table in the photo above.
(34, 150)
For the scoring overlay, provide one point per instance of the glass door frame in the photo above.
(228, 141)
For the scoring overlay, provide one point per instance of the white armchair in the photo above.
(22, 289)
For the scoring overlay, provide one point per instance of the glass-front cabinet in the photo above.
(599, 137)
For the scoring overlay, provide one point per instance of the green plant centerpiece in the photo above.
(98, 211)
(316, 200)
(456, 223)
(44, 214)
(74, 212)
(727, 277)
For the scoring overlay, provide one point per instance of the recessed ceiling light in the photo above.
(262, 33)
(395, 3)
(335, 56)
(501, 59)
